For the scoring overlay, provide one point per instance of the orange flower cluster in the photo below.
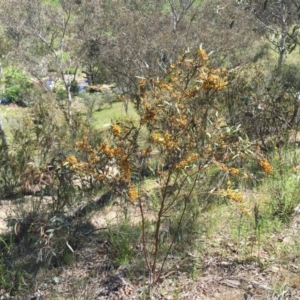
(116, 130)
(83, 146)
(80, 145)
(71, 159)
(191, 93)
(245, 211)
(71, 162)
(107, 150)
(192, 158)
(166, 140)
(234, 171)
(221, 166)
(96, 162)
(182, 121)
(266, 166)
(231, 194)
(213, 81)
(93, 158)
(208, 148)
(125, 168)
(157, 138)
(186, 162)
(182, 164)
(172, 115)
(132, 194)
(202, 54)
(169, 141)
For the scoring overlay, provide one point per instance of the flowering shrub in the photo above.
(181, 132)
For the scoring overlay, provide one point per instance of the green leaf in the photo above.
(69, 247)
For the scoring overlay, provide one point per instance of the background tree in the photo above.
(277, 20)
(126, 39)
(43, 41)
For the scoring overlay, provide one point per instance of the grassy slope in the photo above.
(10, 115)
(229, 235)
(105, 116)
(101, 119)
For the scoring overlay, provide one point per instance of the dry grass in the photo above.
(229, 262)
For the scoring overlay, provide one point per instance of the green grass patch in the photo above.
(104, 117)
(10, 115)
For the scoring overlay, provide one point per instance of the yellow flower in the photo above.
(116, 130)
(245, 176)
(80, 145)
(266, 166)
(157, 138)
(182, 164)
(145, 152)
(221, 166)
(208, 148)
(125, 168)
(245, 211)
(132, 194)
(231, 194)
(193, 157)
(234, 171)
(202, 54)
(107, 150)
(71, 159)
(82, 165)
(182, 121)
(169, 144)
(118, 151)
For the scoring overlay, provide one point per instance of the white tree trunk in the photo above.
(3, 135)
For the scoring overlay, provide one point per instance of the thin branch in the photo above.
(45, 42)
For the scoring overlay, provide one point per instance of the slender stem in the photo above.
(158, 223)
(178, 227)
(143, 236)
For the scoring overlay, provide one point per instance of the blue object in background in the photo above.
(4, 100)
(82, 86)
(48, 84)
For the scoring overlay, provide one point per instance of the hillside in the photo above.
(149, 150)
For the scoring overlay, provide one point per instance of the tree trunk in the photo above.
(3, 136)
(70, 102)
(284, 32)
(2, 132)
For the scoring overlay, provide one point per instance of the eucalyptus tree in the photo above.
(43, 43)
(278, 20)
(118, 41)
(125, 39)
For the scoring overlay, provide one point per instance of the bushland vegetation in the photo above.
(209, 128)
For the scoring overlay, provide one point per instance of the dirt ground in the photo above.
(217, 274)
